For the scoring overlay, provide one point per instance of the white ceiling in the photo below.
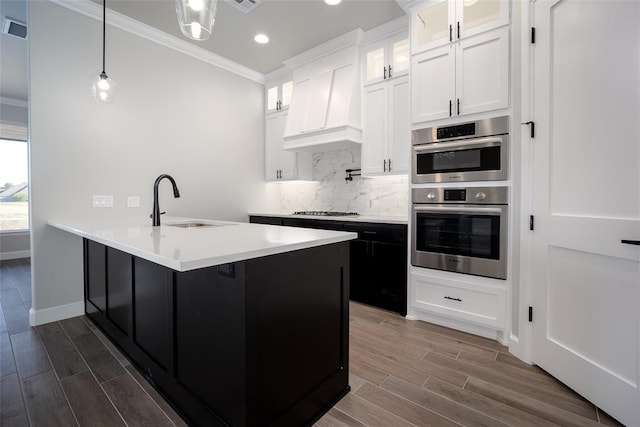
(292, 25)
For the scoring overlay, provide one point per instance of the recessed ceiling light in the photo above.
(261, 38)
(332, 2)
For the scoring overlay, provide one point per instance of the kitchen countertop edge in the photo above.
(319, 239)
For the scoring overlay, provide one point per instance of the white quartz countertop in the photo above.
(185, 249)
(358, 218)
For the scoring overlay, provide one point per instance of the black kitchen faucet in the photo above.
(155, 215)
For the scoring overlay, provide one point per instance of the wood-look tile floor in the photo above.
(402, 373)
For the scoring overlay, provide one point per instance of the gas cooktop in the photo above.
(325, 213)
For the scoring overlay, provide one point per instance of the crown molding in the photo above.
(125, 23)
(14, 102)
(406, 5)
(391, 28)
(279, 73)
(351, 38)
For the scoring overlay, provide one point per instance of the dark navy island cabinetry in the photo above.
(378, 258)
(258, 342)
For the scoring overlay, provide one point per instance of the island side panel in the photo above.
(210, 339)
(95, 261)
(119, 286)
(153, 314)
(302, 336)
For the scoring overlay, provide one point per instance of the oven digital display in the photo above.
(467, 129)
(455, 195)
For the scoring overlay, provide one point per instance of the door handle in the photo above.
(385, 73)
(631, 242)
(384, 166)
(389, 165)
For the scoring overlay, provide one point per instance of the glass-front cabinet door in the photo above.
(386, 59)
(399, 52)
(279, 95)
(431, 24)
(477, 16)
(435, 23)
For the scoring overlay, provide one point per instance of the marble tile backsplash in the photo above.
(383, 196)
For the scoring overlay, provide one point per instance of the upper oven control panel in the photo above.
(469, 195)
(476, 129)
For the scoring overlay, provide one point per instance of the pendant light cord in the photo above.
(104, 31)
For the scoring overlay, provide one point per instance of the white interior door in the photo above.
(586, 328)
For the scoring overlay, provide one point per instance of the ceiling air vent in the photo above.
(14, 28)
(245, 6)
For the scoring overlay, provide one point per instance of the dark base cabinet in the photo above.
(262, 342)
(378, 258)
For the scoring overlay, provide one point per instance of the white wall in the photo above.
(173, 114)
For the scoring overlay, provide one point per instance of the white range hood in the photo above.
(324, 114)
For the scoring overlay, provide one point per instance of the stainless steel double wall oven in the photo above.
(461, 229)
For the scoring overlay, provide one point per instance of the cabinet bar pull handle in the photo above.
(450, 106)
(385, 165)
(389, 71)
(458, 29)
(631, 242)
(385, 73)
(453, 299)
(458, 100)
(389, 165)
(450, 33)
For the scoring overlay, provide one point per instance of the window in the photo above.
(14, 185)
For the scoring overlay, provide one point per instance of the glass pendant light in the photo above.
(196, 17)
(102, 86)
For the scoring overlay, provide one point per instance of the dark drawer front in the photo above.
(373, 232)
(265, 220)
(313, 223)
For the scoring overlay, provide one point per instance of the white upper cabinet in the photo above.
(435, 23)
(281, 165)
(467, 77)
(387, 134)
(279, 95)
(386, 59)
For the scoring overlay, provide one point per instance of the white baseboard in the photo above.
(463, 326)
(53, 314)
(14, 255)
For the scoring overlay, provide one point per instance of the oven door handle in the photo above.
(460, 209)
(454, 145)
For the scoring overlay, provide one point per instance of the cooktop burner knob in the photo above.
(480, 195)
(431, 195)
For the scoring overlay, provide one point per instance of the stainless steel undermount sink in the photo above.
(195, 224)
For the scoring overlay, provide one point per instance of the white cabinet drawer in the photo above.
(482, 304)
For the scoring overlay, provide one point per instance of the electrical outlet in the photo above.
(133, 201)
(102, 201)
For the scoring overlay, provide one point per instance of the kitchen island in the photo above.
(235, 324)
